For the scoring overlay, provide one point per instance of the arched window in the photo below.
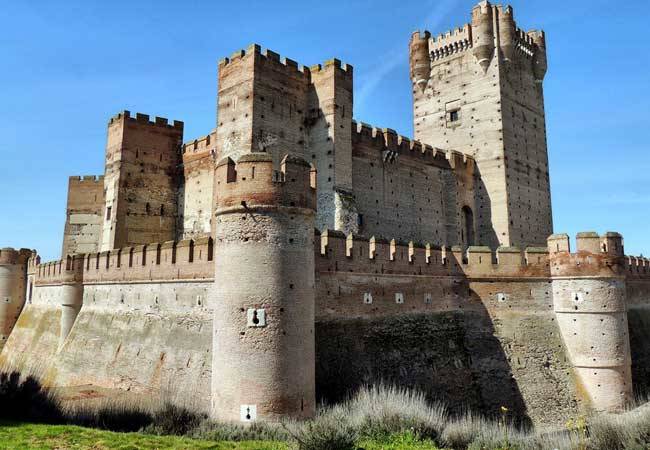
(467, 226)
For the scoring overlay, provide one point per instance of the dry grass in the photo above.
(373, 414)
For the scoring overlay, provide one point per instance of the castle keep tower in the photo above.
(478, 90)
(589, 296)
(271, 104)
(13, 287)
(263, 359)
(140, 183)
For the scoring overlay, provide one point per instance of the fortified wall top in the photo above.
(289, 66)
(253, 182)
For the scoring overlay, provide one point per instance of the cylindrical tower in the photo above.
(71, 295)
(13, 280)
(263, 354)
(419, 59)
(483, 34)
(507, 32)
(589, 296)
(539, 58)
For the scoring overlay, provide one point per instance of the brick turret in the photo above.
(589, 296)
(13, 276)
(263, 364)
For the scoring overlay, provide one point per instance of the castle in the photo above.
(293, 254)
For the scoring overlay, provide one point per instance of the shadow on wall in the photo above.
(451, 356)
(486, 234)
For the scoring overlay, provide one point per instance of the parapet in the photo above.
(183, 260)
(143, 119)
(350, 253)
(203, 144)
(253, 182)
(66, 271)
(452, 42)
(11, 256)
(86, 179)
(596, 255)
(289, 65)
(394, 146)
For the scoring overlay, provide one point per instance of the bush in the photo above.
(109, 414)
(326, 432)
(256, 431)
(628, 431)
(24, 399)
(377, 411)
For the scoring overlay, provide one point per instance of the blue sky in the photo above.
(66, 67)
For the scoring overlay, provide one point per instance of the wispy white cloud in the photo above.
(440, 10)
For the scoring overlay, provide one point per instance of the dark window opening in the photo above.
(468, 226)
(454, 116)
(108, 212)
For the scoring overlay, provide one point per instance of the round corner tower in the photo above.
(13, 283)
(72, 292)
(263, 357)
(589, 296)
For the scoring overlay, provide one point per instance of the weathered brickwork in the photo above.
(478, 90)
(197, 185)
(141, 183)
(84, 216)
(294, 254)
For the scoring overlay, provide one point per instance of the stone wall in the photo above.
(478, 90)
(195, 192)
(476, 328)
(141, 180)
(84, 215)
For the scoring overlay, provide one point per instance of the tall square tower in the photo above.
(478, 90)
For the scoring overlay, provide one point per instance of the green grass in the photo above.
(46, 437)
(404, 441)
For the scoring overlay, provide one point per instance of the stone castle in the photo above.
(293, 254)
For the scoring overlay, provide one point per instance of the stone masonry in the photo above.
(293, 254)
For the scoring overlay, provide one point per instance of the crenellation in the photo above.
(144, 119)
(207, 258)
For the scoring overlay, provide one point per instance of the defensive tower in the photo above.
(589, 297)
(271, 104)
(263, 364)
(140, 183)
(478, 90)
(13, 283)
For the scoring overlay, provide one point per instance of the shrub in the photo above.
(376, 411)
(628, 431)
(123, 415)
(256, 431)
(326, 432)
(24, 399)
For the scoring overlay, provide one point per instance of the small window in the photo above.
(454, 116)
(108, 212)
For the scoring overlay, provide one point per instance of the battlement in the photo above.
(11, 256)
(525, 43)
(143, 119)
(358, 254)
(87, 179)
(595, 255)
(201, 144)
(167, 261)
(253, 182)
(292, 66)
(65, 271)
(454, 41)
(394, 145)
